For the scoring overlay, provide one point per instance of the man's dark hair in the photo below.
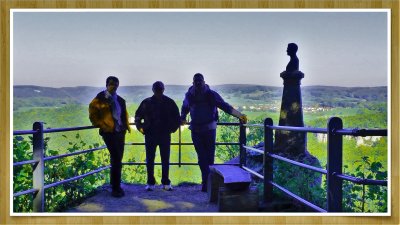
(115, 79)
(198, 76)
(158, 85)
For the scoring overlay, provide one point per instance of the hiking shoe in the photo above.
(149, 187)
(118, 193)
(167, 187)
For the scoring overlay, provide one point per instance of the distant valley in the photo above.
(237, 94)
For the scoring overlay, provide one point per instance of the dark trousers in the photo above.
(115, 143)
(204, 143)
(164, 143)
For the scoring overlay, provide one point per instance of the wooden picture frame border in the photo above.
(6, 5)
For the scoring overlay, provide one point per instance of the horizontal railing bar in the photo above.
(171, 164)
(188, 143)
(30, 191)
(253, 149)
(25, 162)
(300, 129)
(74, 153)
(357, 180)
(362, 132)
(75, 178)
(221, 123)
(131, 143)
(319, 170)
(218, 123)
(182, 143)
(317, 130)
(298, 198)
(228, 124)
(142, 143)
(24, 132)
(253, 172)
(176, 164)
(253, 125)
(354, 132)
(55, 130)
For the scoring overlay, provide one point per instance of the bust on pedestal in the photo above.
(291, 143)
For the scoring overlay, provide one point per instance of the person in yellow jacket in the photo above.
(107, 111)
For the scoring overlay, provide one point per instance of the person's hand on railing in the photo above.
(243, 118)
(141, 130)
(184, 122)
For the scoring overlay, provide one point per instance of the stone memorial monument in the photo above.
(291, 143)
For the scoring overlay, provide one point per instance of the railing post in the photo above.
(268, 161)
(38, 170)
(180, 146)
(242, 141)
(334, 165)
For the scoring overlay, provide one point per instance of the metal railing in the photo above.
(39, 159)
(38, 187)
(333, 172)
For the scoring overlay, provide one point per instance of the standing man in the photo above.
(202, 103)
(107, 111)
(157, 117)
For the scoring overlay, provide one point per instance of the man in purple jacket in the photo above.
(202, 103)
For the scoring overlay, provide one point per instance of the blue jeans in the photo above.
(164, 142)
(204, 143)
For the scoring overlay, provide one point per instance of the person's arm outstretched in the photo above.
(185, 110)
(228, 108)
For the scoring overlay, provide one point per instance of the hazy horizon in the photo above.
(187, 85)
(69, 49)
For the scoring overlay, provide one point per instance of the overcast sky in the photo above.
(60, 49)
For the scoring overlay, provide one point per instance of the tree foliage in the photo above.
(64, 195)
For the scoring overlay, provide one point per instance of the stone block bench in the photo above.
(229, 186)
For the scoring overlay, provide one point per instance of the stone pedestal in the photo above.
(291, 143)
